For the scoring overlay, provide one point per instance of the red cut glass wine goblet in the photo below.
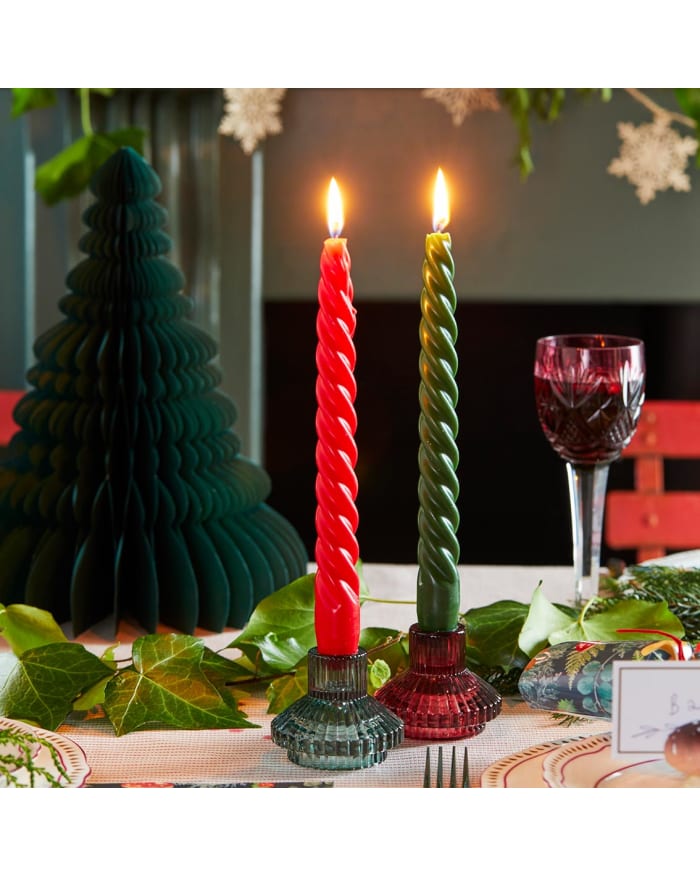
(589, 391)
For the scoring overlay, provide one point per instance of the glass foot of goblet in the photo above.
(587, 485)
(337, 725)
(437, 696)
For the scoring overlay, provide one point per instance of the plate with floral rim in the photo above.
(522, 769)
(56, 760)
(588, 764)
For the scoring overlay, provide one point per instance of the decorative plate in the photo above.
(587, 763)
(70, 756)
(688, 559)
(523, 769)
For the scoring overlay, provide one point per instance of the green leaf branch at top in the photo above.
(68, 173)
(26, 99)
(538, 104)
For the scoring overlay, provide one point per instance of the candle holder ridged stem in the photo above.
(337, 725)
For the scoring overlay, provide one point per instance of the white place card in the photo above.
(650, 699)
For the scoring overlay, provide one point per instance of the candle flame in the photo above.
(441, 204)
(334, 209)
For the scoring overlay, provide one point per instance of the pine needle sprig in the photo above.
(19, 760)
(678, 587)
(504, 681)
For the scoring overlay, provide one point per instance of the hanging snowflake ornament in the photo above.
(653, 157)
(461, 102)
(251, 114)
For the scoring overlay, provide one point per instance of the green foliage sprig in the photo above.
(69, 172)
(679, 587)
(544, 104)
(176, 681)
(18, 767)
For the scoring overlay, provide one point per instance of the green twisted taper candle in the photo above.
(438, 487)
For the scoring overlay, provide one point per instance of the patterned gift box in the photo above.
(576, 677)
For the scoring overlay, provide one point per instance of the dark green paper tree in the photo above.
(124, 493)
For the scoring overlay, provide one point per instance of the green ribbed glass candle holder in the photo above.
(337, 725)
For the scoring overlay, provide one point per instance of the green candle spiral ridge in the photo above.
(438, 486)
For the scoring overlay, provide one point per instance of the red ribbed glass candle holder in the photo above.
(437, 696)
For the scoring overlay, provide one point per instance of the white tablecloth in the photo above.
(249, 755)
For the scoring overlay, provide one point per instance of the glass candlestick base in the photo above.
(337, 725)
(437, 696)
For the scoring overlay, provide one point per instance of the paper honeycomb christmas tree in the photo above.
(125, 494)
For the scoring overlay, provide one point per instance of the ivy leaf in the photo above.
(280, 654)
(168, 685)
(389, 645)
(379, 673)
(69, 172)
(543, 620)
(25, 627)
(603, 626)
(492, 633)
(283, 692)
(376, 637)
(281, 629)
(218, 667)
(93, 696)
(26, 99)
(43, 685)
(109, 657)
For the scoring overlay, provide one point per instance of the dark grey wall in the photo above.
(572, 232)
(547, 255)
(15, 259)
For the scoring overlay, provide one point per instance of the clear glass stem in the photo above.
(587, 485)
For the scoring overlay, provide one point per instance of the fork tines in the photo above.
(453, 769)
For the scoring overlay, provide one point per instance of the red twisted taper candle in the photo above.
(337, 589)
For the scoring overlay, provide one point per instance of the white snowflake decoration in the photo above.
(461, 102)
(251, 114)
(653, 157)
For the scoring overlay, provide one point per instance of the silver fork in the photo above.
(453, 769)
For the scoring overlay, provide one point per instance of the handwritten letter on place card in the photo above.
(649, 700)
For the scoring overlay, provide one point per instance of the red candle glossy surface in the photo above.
(337, 590)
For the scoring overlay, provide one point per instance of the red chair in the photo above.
(8, 400)
(649, 519)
